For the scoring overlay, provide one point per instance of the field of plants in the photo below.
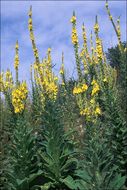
(66, 134)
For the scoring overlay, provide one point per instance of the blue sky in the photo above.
(52, 27)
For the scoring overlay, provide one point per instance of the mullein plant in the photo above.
(87, 90)
(48, 158)
(44, 82)
(55, 150)
(75, 42)
(22, 164)
(121, 72)
(98, 102)
(116, 112)
(19, 149)
(67, 103)
(14, 102)
(15, 93)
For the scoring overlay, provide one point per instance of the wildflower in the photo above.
(99, 49)
(74, 36)
(62, 69)
(105, 80)
(82, 53)
(84, 87)
(96, 28)
(6, 81)
(98, 111)
(77, 90)
(16, 62)
(92, 101)
(55, 78)
(19, 95)
(1, 82)
(96, 87)
(93, 82)
(85, 111)
(73, 19)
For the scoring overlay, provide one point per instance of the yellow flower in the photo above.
(19, 95)
(16, 46)
(16, 61)
(96, 87)
(17, 110)
(98, 111)
(105, 80)
(96, 28)
(92, 101)
(73, 19)
(84, 87)
(85, 111)
(49, 49)
(77, 90)
(93, 82)
(99, 49)
(74, 36)
(55, 78)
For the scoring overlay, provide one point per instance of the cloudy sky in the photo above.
(52, 27)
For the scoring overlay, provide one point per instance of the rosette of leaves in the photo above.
(98, 169)
(21, 167)
(56, 151)
(114, 123)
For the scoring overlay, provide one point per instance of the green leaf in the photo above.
(118, 182)
(22, 184)
(69, 182)
(83, 174)
(35, 175)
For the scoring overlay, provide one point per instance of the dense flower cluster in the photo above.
(45, 78)
(99, 49)
(19, 95)
(43, 75)
(91, 112)
(6, 81)
(74, 36)
(96, 88)
(96, 27)
(81, 89)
